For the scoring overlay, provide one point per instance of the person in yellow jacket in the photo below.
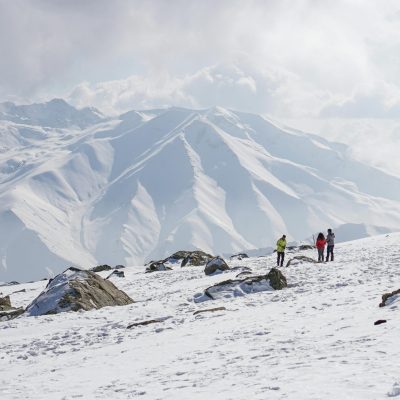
(280, 250)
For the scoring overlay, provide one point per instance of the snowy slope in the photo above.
(141, 186)
(314, 340)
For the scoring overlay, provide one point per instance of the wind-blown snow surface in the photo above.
(314, 340)
(145, 184)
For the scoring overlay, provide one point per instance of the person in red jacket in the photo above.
(320, 243)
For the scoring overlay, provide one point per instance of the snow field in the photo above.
(313, 340)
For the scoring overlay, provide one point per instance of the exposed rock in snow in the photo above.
(209, 310)
(7, 311)
(118, 274)
(239, 256)
(274, 280)
(390, 298)
(100, 268)
(216, 265)
(196, 258)
(299, 260)
(157, 266)
(74, 290)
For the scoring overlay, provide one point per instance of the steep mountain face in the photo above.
(146, 184)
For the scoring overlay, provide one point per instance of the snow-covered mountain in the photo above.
(145, 184)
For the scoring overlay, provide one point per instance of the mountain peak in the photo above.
(56, 113)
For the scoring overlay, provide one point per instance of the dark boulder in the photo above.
(100, 268)
(119, 266)
(157, 266)
(389, 298)
(75, 290)
(196, 258)
(216, 265)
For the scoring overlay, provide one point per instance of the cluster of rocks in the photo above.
(105, 267)
(184, 258)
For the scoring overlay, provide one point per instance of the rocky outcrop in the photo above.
(196, 258)
(389, 298)
(215, 266)
(274, 280)
(300, 260)
(7, 311)
(157, 266)
(100, 268)
(77, 289)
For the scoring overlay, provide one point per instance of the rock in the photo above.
(119, 266)
(7, 311)
(274, 280)
(209, 310)
(306, 247)
(157, 266)
(216, 265)
(277, 279)
(389, 298)
(380, 321)
(239, 256)
(101, 268)
(147, 322)
(299, 260)
(119, 274)
(196, 258)
(5, 301)
(77, 289)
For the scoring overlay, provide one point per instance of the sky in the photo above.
(289, 59)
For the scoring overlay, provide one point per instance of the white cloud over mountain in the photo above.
(284, 58)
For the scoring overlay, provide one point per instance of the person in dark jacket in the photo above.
(320, 244)
(330, 241)
(280, 250)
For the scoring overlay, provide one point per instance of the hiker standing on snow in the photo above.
(280, 250)
(330, 241)
(320, 244)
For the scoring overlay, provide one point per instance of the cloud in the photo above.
(303, 58)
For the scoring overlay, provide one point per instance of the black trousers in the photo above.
(329, 251)
(281, 257)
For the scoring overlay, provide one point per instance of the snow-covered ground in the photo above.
(314, 340)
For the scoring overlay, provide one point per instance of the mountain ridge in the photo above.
(147, 183)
